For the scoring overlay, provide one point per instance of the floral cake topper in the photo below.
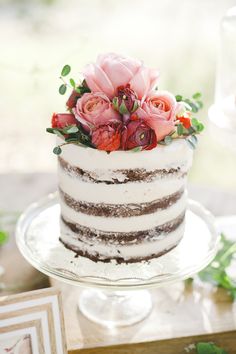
(119, 107)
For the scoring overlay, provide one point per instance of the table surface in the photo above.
(180, 311)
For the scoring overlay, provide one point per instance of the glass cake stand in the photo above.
(115, 295)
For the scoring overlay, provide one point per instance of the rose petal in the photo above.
(161, 127)
(89, 75)
(140, 82)
(154, 76)
(118, 73)
(104, 82)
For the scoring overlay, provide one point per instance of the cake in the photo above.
(124, 151)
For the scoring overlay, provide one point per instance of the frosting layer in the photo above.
(123, 206)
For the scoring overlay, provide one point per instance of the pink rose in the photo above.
(95, 109)
(112, 70)
(159, 112)
(107, 137)
(138, 133)
(61, 120)
(162, 103)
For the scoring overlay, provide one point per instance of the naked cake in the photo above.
(124, 150)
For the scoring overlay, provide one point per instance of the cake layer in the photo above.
(120, 210)
(133, 192)
(162, 157)
(89, 235)
(125, 224)
(121, 176)
(133, 252)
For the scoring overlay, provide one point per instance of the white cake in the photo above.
(124, 206)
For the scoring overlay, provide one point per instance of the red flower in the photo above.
(126, 100)
(186, 121)
(61, 120)
(71, 102)
(138, 134)
(107, 137)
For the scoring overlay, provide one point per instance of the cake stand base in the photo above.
(37, 236)
(115, 308)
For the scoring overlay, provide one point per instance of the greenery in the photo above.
(74, 134)
(216, 272)
(193, 104)
(195, 126)
(208, 348)
(81, 89)
(3, 237)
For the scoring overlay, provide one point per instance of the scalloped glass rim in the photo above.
(46, 253)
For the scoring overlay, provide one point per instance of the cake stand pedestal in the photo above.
(115, 295)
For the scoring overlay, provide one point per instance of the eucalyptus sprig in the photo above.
(71, 134)
(188, 132)
(193, 104)
(81, 88)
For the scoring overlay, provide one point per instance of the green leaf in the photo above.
(72, 139)
(50, 130)
(57, 150)
(197, 95)
(65, 70)
(194, 122)
(77, 89)
(200, 127)
(70, 129)
(115, 103)
(72, 82)
(3, 237)
(83, 89)
(209, 348)
(62, 89)
(136, 149)
(178, 98)
(197, 125)
(58, 132)
(168, 139)
(122, 108)
(200, 104)
(135, 107)
(180, 129)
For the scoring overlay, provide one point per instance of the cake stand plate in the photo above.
(37, 236)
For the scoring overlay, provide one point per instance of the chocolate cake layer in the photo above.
(132, 175)
(120, 210)
(96, 258)
(84, 233)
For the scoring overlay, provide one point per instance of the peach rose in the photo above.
(112, 70)
(161, 103)
(159, 112)
(95, 109)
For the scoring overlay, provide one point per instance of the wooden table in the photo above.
(182, 314)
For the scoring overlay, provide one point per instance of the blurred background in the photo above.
(37, 38)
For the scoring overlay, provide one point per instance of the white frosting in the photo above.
(134, 192)
(174, 155)
(143, 249)
(133, 223)
(104, 166)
